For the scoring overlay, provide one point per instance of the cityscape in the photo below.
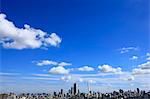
(74, 49)
(74, 93)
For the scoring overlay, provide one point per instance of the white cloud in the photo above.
(64, 64)
(71, 78)
(91, 81)
(81, 80)
(148, 56)
(142, 69)
(66, 78)
(42, 75)
(53, 40)
(138, 71)
(9, 74)
(86, 68)
(127, 49)
(145, 65)
(46, 62)
(134, 58)
(110, 69)
(59, 70)
(27, 37)
(128, 78)
(40, 78)
(50, 62)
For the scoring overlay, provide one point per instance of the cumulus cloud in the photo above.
(86, 68)
(145, 65)
(64, 64)
(142, 69)
(138, 71)
(110, 69)
(134, 58)
(128, 78)
(46, 62)
(50, 62)
(148, 56)
(71, 78)
(127, 49)
(66, 78)
(59, 70)
(26, 37)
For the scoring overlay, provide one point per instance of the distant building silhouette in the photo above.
(61, 92)
(72, 90)
(75, 88)
(74, 93)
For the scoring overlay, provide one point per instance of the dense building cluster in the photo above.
(74, 93)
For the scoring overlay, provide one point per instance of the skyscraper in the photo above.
(72, 91)
(75, 88)
(61, 92)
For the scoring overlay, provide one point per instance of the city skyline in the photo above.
(74, 94)
(53, 44)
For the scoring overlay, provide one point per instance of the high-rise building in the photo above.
(55, 93)
(69, 91)
(138, 90)
(75, 88)
(61, 92)
(72, 91)
(78, 91)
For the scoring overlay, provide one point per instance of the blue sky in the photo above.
(92, 37)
